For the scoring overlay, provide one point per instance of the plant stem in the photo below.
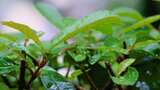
(108, 85)
(32, 58)
(6, 81)
(68, 70)
(88, 78)
(22, 82)
(36, 73)
(25, 42)
(33, 77)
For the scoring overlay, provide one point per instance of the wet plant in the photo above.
(107, 50)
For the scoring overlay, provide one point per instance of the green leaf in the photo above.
(78, 54)
(113, 42)
(125, 64)
(155, 34)
(128, 12)
(24, 29)
(68, 21)
(142, 23)
(148, 45)
(129, 78)
(119, 68)
(6, 36)
(4, 86)
(92, 21)
(130, 41)
(75, 74)
(77, 57)
(7, 69)
(3, 46)
(95, 58)
(130, 16)
(107, 29)
(54, 81)
(51, 13)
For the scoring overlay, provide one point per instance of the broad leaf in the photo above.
(75, 74)
(79, 56)
(129, 78)
(54, 81)
(94, 59)
(125, 64)
(119, 68)
(106, 29)
(113, 42)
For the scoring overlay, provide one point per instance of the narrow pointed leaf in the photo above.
(128, 12)
(95, 20)
(51, 14)
(6, 36)
(27, 31)
(148, 45)
(7, 69)
(142, 23)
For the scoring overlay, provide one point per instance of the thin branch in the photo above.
(25, 42)
(68, 70)
(32, 58)
(36, 73)
(33, 77)
(22, 82)
(88, 78)
(6, 81)
(29, 69)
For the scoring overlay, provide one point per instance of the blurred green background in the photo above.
(23, 11)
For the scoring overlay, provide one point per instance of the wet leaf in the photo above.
(54, 81)
(129, 78)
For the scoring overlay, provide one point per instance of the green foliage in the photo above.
(104, 50)
(119, 68)
(51, 13)
(143, 23)
(52, 80)
(89, 22)
(6, 36)
(129, 78)
(25, 30)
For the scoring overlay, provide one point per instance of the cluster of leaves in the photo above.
(106, 50)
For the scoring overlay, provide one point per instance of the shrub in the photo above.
(106, 50)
